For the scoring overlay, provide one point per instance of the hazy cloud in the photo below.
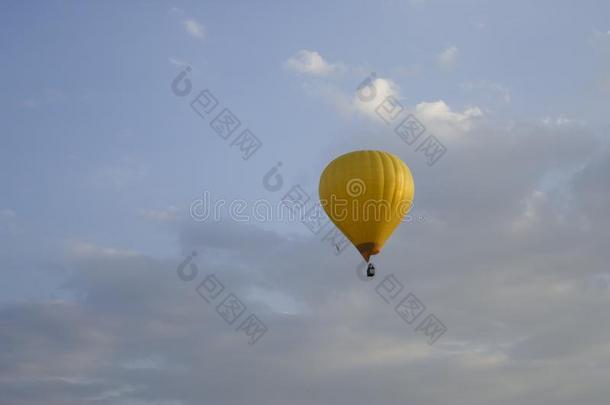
(194, 28)
(448, 58)
(310, 63)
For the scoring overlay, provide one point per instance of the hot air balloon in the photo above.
(366, 194)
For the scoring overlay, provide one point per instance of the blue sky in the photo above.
(101, 162)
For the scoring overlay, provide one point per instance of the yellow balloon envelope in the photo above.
(366, 194)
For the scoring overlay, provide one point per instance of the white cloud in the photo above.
(439, 115)
(310, 63)
(447, 59)
(194, 28)
(557, 121)
(436, 116)
(366, 101)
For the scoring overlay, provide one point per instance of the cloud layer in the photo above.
(517, 271)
